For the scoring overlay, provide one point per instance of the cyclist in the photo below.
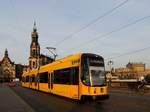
(142, 82)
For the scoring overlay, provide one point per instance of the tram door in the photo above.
(37, 81)
(52, 80)
(49, 80)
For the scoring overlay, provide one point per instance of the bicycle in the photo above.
(143, 88)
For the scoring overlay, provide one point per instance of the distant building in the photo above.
(137, 67)
(36, 59)
(7, 68)
(19, 70)
(1, 72)
(132, 70)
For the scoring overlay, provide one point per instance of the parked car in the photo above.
(12, 84)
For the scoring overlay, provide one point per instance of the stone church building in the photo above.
(36, 59)
(7, 68)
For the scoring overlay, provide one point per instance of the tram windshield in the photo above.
(97, 76)
(93, 71)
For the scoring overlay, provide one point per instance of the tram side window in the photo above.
(75, 76)
(27, 78)
(62, 76)
(66, 76)
(43, 77)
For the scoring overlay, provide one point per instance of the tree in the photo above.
(147, 78)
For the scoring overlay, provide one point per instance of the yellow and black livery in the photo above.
(78, 77)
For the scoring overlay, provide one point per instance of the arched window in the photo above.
(33, 64)
(34, 52)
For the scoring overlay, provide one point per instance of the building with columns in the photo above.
(132, 71)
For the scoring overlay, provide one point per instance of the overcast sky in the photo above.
(57, 19)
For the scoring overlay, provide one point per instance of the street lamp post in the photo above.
(110, 63)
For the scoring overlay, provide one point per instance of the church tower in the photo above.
(34, 49)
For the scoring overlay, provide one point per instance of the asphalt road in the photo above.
(118, 102)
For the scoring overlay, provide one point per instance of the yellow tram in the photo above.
(80, 76)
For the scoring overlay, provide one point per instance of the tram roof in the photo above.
(68, 58)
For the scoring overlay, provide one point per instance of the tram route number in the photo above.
(75, 62)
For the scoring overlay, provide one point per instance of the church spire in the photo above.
(34, 48)
(6, 52)
(34, 27)
(34, 32)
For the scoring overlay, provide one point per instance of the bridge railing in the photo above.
(124, 83)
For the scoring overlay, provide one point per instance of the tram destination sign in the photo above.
(96, 62)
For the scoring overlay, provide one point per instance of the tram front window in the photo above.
(93, 71)
(85, 73)
(97, 77)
